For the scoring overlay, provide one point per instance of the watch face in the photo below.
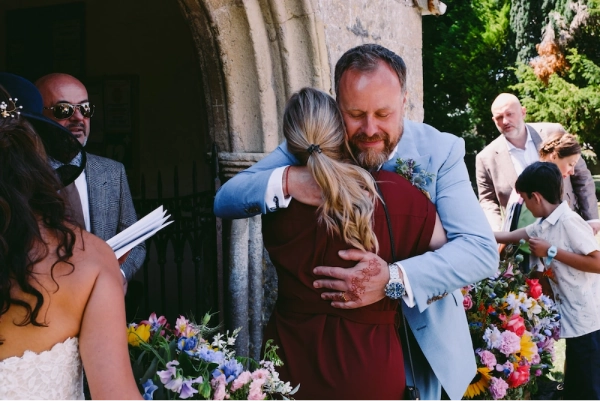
(394, 290)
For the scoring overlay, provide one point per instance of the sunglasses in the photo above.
(62, 111)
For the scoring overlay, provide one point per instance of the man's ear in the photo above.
(537, 197)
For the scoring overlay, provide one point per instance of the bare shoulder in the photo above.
(94, 253)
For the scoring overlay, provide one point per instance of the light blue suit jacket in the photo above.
(438, 320)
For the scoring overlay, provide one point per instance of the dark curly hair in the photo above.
(28, 197)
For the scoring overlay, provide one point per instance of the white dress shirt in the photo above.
(81, 185)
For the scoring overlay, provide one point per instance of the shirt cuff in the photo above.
(408, 297)
(123, 273)
(274, 198)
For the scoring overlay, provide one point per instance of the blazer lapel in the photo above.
(535, 137)
(407, 149)
(96, 182)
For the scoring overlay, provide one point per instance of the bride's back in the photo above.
(66, 288)
(61, 292)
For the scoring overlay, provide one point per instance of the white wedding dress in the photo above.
(54, 374)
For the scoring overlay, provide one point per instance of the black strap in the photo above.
(393, 243)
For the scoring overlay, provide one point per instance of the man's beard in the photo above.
(369, 158)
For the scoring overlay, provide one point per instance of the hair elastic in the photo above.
(313, 148)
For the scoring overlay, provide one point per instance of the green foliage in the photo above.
(572, 100)
(470, 56)
(461, 68)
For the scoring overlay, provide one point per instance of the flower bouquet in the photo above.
(180, 363)
(513, 327)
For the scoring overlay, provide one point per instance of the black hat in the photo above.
(65, 153)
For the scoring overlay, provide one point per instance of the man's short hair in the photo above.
(544, 178)
(365, 58)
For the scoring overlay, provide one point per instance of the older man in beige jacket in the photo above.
(499, 164)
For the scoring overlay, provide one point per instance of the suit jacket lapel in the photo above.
(407, 149)
(535, 137)
(96, 180)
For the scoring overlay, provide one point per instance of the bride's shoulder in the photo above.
(93, 251)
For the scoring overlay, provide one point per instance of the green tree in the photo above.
(563, 83)
(461, 69)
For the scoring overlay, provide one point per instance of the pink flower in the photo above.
(467, 302)
(510, 343)
(241, 380)
(498, 388)
(519, 376)
(509, 271)
(260, 374)
(535, 288)
(218, 384)
(516, 324)
(256, 390)
(488, 359)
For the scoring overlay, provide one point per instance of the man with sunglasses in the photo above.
(102, 189)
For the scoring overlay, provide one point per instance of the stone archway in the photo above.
(253, 55)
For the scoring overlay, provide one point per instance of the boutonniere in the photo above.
(414, 174)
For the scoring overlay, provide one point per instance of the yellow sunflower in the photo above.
(479, 384)
(528, 347)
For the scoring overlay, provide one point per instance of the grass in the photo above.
(559, 361)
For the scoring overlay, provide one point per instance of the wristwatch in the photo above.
(551, 254)
(394, 289)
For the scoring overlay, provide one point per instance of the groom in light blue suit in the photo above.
(370, 85)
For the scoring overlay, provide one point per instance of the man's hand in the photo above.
(302, 186)
(539, 247)
(360, 285)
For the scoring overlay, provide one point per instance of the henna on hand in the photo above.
(357, 286)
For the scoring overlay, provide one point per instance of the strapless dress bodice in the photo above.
(53, 374)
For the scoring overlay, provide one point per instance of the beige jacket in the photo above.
(496, 177)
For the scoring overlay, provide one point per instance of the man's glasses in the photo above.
(62, 111)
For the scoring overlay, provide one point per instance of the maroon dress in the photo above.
(337, 353)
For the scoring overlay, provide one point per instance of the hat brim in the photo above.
(60, 144)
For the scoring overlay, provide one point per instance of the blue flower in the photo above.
(149, 389)
(187, 344)
(209, 355)
(231, 369)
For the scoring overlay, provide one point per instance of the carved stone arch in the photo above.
(253, 54)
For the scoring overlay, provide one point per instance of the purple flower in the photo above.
(510, 344)
(166, 375)
(498, 388)
(174, 385)
(507, 368)
(488, 359)
(538, 372)
(149, 389)
(186, 388)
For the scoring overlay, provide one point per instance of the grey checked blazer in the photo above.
(496, 177)
(111, 206)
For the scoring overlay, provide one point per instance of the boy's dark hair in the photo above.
(544, 178)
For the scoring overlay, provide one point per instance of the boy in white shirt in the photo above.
(566, 244)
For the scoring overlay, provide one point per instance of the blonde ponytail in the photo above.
(314, 130)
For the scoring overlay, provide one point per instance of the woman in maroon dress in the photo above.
(339, 353)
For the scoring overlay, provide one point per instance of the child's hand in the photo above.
(539, 247)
